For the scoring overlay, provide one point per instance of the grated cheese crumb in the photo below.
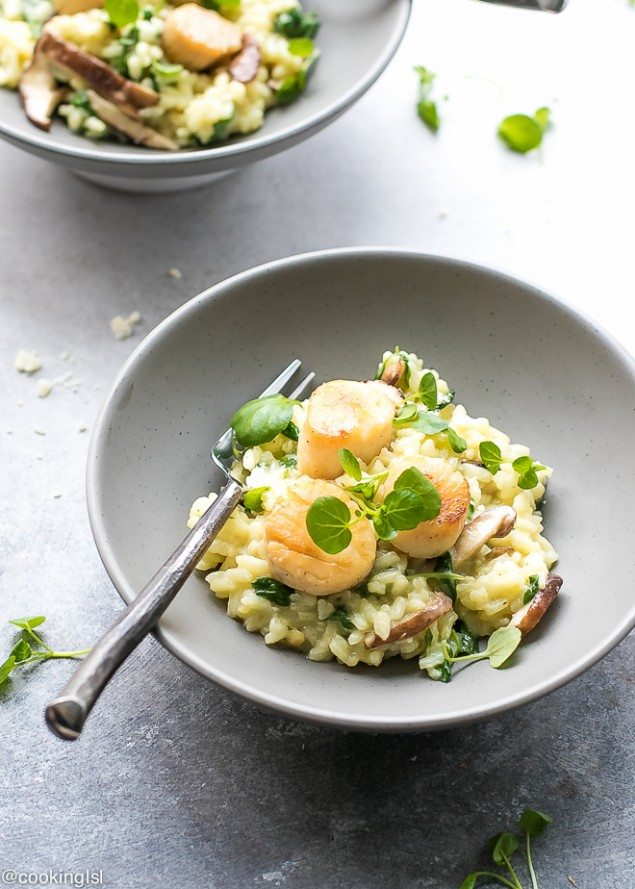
(83, 428)
(44, 389)
(122, 327)
(27, 362)
(39, 431)
(175, 273)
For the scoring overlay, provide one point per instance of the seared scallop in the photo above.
(345, 414)
(436, 536)
(297, 561)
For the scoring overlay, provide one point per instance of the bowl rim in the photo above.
(277, 702)
(232, 149)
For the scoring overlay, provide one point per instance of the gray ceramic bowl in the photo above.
(535, 367)
(357, 39)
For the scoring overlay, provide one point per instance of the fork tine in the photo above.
(303, 388)
(282, 379)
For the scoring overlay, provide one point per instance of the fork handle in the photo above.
(67, 713)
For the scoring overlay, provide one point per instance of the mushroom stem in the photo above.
(533, 612)
(136, 131)
(413, 624)
(495, 522)
(38, 93)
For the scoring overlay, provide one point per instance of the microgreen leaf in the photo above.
(470, 881)
(260, 420)
(408, 412)
(534, 823)
(301, 46)
(502, 644)
(295, 23)
(122, 12)
(253, 498)
(503, 846)
(383, 527)
(291, 432)
(523, 133)
(28, 623)
(273, 590)
(350, 464)
(490, 456)
(429, 423)
(416, 481)
(428, 390)
(6, 669)
(402, 509)
(21, 651)
(456, 442)
(426, 77)
(533, 588)
(327, 522)
(429, 114)
(444, 565)
(527, 478)
(341, 615)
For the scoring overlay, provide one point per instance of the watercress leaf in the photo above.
(291, 87)
(429, 423)
(445, 400)
(428, 390)
(327, 522)
(273, 590)
(503, 846)
(260, 420)
(502, 644)
(426, 77)
(444, 564)
(470, 881)
(491, 456)
(532, 589)
(253, 498)
(6, 668)
(295, 23)
(292, 432)
(407, 413)
(350, 464)
(341, 615)
(122, 12)
(21, 651)
(522, 464)
(456, 442)
(533, 823)
(301, 46)
(414, 480)
(467, 641)
(429, 114)
(28, 623)
(527, 478)
(383, 527)
(520, 132)
(403, 509)
(542, 116)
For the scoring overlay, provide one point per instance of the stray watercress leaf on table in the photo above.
(294, 23)
(491, 456)
(533, 822)
(533, 587)
(21, 651)
(6, 669)
(428, 390)
(253, 498)
(28, 623)
(350, 464)
(260, 420)
(523, 133)
(122, 12)
(503, 847)
(24, 653)
(427, 107)
(273, 590)
(327, 521)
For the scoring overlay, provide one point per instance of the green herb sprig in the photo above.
(413, 499)
(522, 133)
(295, 24)
(500, 646)
(505, 845)
(273, 590)
(526, 468)
(31, 648)
(427, 107)
(122, 12)
(260, 420)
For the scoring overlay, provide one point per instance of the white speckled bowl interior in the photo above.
(539, 370)
(357, 39)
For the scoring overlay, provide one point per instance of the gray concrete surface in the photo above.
(175, 783)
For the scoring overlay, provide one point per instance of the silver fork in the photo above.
(67, 714)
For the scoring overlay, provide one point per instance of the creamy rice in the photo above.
(491, 591)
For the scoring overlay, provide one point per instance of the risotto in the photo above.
(166, 76)
(379, 519)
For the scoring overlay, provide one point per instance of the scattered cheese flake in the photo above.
(39, 431)
(124, 327)
(44, 389)
(175, 273)
(27, 362)
(83, 427)
(56, 496)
